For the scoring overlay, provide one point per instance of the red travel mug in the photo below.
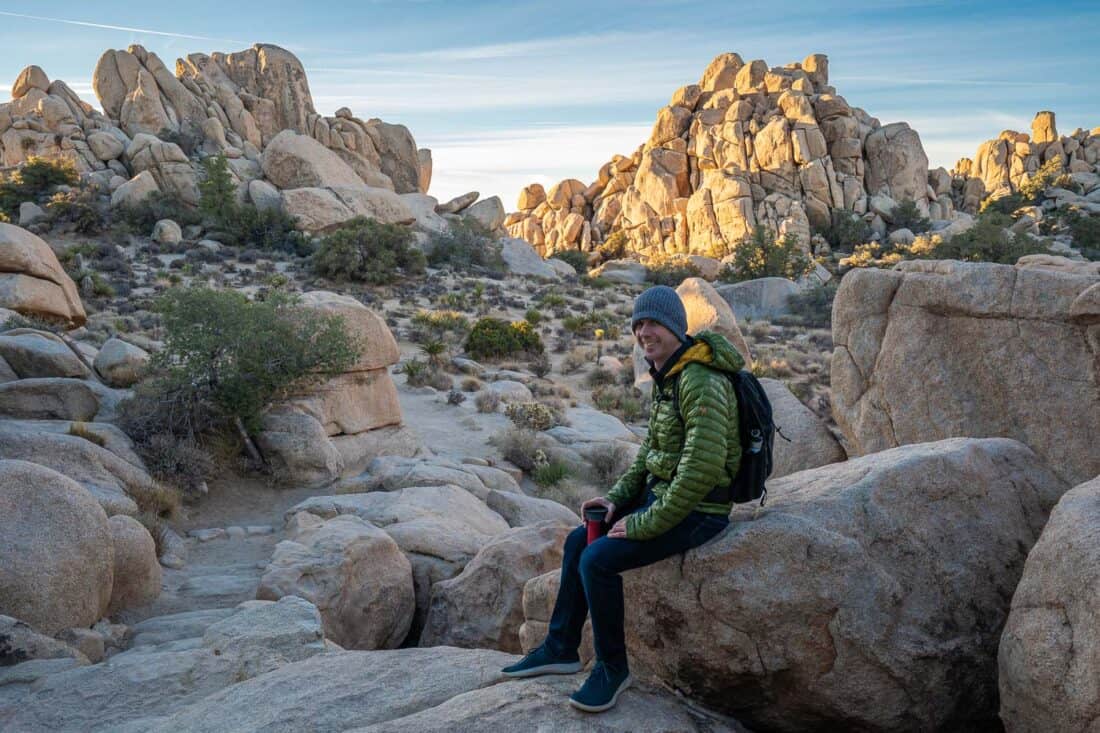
(594, 520)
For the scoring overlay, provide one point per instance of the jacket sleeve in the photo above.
(631, 483)
(705, 403)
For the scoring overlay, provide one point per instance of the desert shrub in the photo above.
(550, 473)
(435, 351)
(552, 300)
(487, 401)
(493, 338)
(599, 377)
(531, 415)
(906, 215)
(989, 240)
(814, 306)
(847, 229)
(518, 446)
(471, 384)
(1005, 205)
(615, 247)
(217, 191)
(454, 397)
(624, 402)
(540, 365)
(441, 322)
(81, 430)
(32, 181)
(365, 250)
(1050, 174)
(416, 372)
(243, 225)
(232, 357)
(532, 316)
(465, 245)
(762, 255)
(183, 463)
(78, 207)
(670, 271)
(607, 462)
(575, 258)
(576, 359)
(1086, 232)
(440, 380)
(143, 216)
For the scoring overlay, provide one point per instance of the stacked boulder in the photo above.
(341, 425)
(32, 281)
(157, 126)
(1003, 165)
(748, 145)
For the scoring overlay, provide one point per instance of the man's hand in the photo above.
(619, 530)
(600, 501)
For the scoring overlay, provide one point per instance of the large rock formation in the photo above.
(1010, 161)
(932, 350)
(1050, 654)
(746, 146)
(866, 595)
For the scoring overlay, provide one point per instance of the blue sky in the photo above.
(506, 93)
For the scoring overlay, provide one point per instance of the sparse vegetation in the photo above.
(365, 250)
(906, 215)
(670, 271)
(531, 415)
(813, 307)
(36, 178)
(493, 338)
(763, 255)
(575, 258)
(846, 231)
(465, 245)
(487, 401)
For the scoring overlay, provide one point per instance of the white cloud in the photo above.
(504, 161)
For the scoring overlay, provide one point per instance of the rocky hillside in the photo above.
(254, 107)
(748, 144)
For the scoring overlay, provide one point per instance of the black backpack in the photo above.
(757, 434)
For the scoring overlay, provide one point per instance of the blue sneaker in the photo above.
(601, 690)
(540, 662)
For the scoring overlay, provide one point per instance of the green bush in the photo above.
(814, 306)
(670, 272)
(906, 215)
(989, 240)
(493, 338)
(575, 258)
(762, 255)
(32, 181)
(243, 225)
(846, 231)
(144, 215)
(1050, 174)
(226, 358)
(365, 250)
(1003, 205)
(550, 473)
(1086, 233)
(531, 415)
(615, 247)
(218, 192)
(465, 245)
(78, 207)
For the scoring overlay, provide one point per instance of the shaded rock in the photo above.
(458, 203)
(133, 192)
(119, 363)
(627, 272)
(482, 607)
(763, 298)
(489, 213)
(32, 281)
(34, 354)
(848, 630)
(1049, 653)
(297, 445)
(264, 196)
(520, 258)
(292, 160)
(539, 596)
(167, 231)
(48, 399)
(355, 575)
(708, 311)
(56, 553)
(20, 643)
(520, 510)
(807, 443)
(137, 573)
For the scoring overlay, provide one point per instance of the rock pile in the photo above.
(32, 281)
(1005, 164)
(746, 145)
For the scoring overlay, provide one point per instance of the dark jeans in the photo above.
(590, 582)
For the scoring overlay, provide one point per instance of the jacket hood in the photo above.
(713, 350)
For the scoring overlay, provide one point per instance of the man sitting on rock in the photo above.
(662, 502)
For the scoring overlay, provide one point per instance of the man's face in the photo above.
(657, 342)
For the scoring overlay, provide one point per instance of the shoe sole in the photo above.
(563, 668)
(600, 708)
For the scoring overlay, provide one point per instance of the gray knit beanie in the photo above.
(662, 304)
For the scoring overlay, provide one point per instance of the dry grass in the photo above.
(81, 430)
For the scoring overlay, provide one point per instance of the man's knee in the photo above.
(597, 559)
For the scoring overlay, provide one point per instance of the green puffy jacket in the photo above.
(688, 457)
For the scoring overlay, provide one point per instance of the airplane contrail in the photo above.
(105, 26)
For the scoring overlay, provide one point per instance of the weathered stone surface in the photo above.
(297, 444)
(763, 298)
(169, 165)
(896, 163)
(167, 231)
(105, 145)
(399, 158)
(708, 311)
(120, 364)
(874, 586)
(292, 160)
(539, 597)
(458, 203)
(521, 259)
(32, 281)
(137, 573)
(941, 349)
(807, 442)
(489, 213)
(20, 643)
(627, 272)
(520, 510)
(33, 353)
(353, 402)
(264, 196)
(134, 190)
(155, 680)
(354, 573)
(56, 553)
(1049, 655)
(482, 607)
(50, 398)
